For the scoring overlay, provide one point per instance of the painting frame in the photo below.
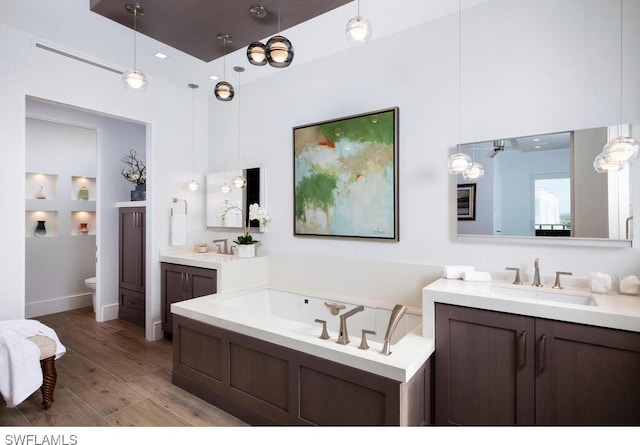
(466, 200)
(346, 178)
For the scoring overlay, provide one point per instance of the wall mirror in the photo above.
(229, 194)
(545, 187)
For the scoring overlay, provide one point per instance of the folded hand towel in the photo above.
(476, 276)
(599, 283)
(178, 227)
(629, 285)
(455, 272)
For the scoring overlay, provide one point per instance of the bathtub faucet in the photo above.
(343, 336)
(394, 319)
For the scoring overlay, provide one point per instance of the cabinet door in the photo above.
(173, 289)
(586, 375)
(484, 367)
(202, 282)
(132, 248)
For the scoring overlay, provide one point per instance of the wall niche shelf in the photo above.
(51, 223)
(37, 183)
(83, 217)
(77, 182)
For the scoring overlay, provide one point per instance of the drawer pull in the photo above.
(523, 349)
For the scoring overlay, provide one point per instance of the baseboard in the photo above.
(56, 305)
(109, 312)
(158, 333)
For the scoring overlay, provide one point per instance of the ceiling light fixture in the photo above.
(621, 149)
(193, 184)
(239, 181)
(279, 51)
(358, 29)
(223, 90)
(257, 51)
(134, 78)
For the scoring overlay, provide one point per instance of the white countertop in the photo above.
(612, 311)
(406, 356)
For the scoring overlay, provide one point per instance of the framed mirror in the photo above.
(545, 187)
(229, 195)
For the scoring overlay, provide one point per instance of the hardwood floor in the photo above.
(112, 376)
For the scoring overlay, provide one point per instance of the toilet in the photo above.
(91, 284)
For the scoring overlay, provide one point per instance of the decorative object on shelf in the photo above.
(41, 194)
(83, 193)
(346, 177)
(40, 230)
(84, 228)
(245, 242)
(136, 173)
(622, 149)
(466, 202)
(193, 184)
(134, 78)
(358, 29)
(224, 90)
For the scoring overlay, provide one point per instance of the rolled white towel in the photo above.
(629, 285)
(476, 276)
(599, 283)
(455, 272)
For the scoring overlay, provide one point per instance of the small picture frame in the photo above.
(466, 202)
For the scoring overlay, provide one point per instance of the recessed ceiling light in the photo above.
(161, 56)
(538, 146)
(536, 140)
(213, 77)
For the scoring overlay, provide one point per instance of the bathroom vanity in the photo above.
(516, 355)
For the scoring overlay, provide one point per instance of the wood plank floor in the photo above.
(112, 376)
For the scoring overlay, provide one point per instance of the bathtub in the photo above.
(288, 319)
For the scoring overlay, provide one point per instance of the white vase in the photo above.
(246, 250)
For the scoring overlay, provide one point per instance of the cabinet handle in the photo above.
(543, 353)
(523, 349)
(184, 286)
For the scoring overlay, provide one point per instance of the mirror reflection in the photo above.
(546, 186)
(229, 194)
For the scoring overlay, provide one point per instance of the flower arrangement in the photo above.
(230, 207)
(134, 171)
(256, 213)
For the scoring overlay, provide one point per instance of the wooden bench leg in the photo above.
(50, 377)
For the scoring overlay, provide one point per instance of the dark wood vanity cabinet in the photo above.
(181, 283)
(493, 368)
(131, 270)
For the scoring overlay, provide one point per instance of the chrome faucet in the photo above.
(343, 336)
(536, 274)
(224, 248)
(394, 319)
(557, 284)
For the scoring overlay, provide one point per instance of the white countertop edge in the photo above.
(405, 360)
(131, 204)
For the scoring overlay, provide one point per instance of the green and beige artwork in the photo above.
(345, 182)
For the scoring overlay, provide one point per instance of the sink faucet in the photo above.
(343, 336)
(536, 274)
(224, 248)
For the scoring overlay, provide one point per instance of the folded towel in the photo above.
(471, 275)
(629, 285)
(178, 229)
(455, 272)
(599, 283)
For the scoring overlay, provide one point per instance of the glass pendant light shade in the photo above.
(358, 30)
(257, 54)
(621, 149)
(459, 162)
(134, 79)
(225, 188)
(224, 91)
(601, 165)
(474, 171)
(279, 52)
(193, 185)
(239, 182)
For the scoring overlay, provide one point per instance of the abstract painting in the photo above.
(346, 177)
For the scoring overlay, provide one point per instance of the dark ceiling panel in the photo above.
(192, 25)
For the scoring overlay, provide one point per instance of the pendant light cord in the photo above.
(193, 130)
(459, 73)
(135, 31)
(621, 70)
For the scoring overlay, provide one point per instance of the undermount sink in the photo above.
(538, 294)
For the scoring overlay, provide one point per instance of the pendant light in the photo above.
(459, 162)
(257, 51)
(224, 90)
(239, 181)
(193, 184)
(134, 78)
(358, 29)
(279, 51)
(621, 149)
(601, 165)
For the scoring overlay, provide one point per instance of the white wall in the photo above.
(529, 67)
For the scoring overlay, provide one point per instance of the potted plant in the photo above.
(245, 242)
(136, 173)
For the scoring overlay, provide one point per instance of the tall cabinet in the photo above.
(132, 265)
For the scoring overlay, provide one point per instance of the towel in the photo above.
(20, 371)
(178, 226)
(470, 275)
(455, 272)
(629, 285)
(599, 283)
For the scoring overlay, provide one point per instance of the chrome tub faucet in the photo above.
(343, 336)
(536, 274)
(394, 319)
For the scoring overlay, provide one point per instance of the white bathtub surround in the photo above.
(287, 319)
(573, 303)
